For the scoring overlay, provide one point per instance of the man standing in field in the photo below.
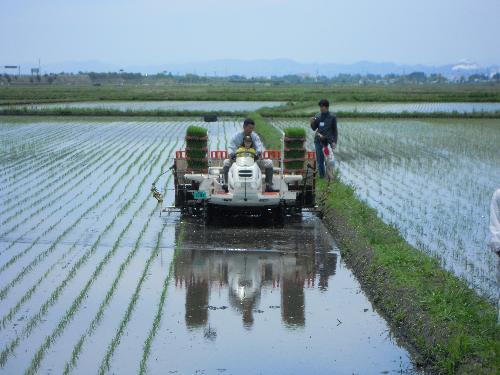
(325, 125)
(236, 142)
(494, 241)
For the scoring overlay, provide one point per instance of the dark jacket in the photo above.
(326, 125)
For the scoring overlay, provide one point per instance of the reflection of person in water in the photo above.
(244, 274)
(244, 285)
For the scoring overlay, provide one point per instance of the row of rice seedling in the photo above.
(21, 341)
(104, 158)
(35, 363)
(70, 365)
(105, 364)
(74, 208)
(431, 179)
(17, 146)
(14, 308)
(54, 225)
(36, 167)
(65, 204)
(43, 169)
(67, 178)
(53, 183)
(44, 163)
(32, 265)
(36, 319)
(452, 221)
(143, 366)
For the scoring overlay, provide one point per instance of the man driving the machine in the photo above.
(234, 145)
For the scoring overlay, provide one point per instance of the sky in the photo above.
(134, 32)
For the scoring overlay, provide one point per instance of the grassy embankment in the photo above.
(105, 112)
(285, 111)
(242, 92)
(448, 327)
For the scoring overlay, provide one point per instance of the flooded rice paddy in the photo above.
(93, 280)
(433, 180)
(425, 107)
(161, 105)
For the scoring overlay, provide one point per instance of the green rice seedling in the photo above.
(52, 163)
(196, 131)
(67, 177)
(32, 265)
(294, 148)
(35, 363)
(157, 320)
(295, 144)
(105, 158)
(196, 147)
(48, 163)
(16, 257)
(197, 154)
(295, 154)
(105, 364)
(295, 133)
(34, 321)
(44, 149)
(97, 319)
(294, 165)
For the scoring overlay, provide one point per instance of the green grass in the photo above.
(269, 135)
(283, 111)
(450, 327)
(108, 112)
(298, 93)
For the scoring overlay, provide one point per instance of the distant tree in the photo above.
(417, 77)
(477, 77)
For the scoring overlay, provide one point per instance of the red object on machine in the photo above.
(180, 154)
(219, 154)
(272, 154)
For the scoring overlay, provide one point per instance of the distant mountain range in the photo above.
(276, 67)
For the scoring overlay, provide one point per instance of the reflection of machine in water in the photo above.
(244, 261)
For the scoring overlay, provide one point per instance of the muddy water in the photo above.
(246, 298)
